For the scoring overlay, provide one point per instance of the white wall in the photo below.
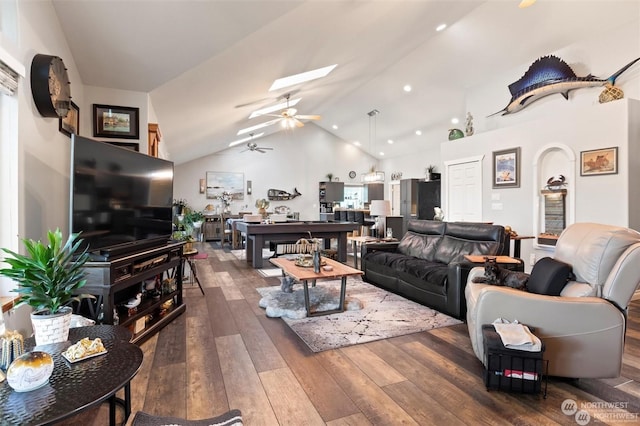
(124, 98)
(300, 159)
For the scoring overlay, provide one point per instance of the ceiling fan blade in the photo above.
(298, 122)
(308, 117)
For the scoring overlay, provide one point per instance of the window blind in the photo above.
(8, 79)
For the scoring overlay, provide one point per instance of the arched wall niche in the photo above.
(551, 160)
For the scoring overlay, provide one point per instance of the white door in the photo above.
(464, 190)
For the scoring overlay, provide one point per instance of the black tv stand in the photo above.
(114, 280)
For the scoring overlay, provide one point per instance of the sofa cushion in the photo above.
(452, 249)
(549, 276)
(433, 273)
(418, 245)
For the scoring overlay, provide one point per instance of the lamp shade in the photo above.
(380, 208)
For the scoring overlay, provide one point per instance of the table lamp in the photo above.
(378, 208)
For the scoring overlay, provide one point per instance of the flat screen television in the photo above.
(120, 199)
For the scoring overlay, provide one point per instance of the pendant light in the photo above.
(373, 175)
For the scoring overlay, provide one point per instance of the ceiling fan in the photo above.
(289, 117)
(252, 146)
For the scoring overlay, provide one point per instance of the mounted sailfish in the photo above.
(549, 75)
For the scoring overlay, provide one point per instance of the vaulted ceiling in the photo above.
(208, 64)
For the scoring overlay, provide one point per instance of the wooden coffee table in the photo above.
(304, 275)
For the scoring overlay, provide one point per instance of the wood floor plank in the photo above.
(228, 286)
(242, 383)
(167, 391)
(369, 398)
(206, 390)
(263, 352)
(220, 316)
(358, 419)
(290, 404)
(173, 342)
(517, 411)
(327, 396)
(438, 388)
(374, 367)
(424, 409)
(140, 382)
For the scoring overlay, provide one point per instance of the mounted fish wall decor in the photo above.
(547, 76)
(280, 195)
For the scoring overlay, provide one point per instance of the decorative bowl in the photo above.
(306, 261)
(30, 371)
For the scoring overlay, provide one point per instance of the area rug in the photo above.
(382, 315)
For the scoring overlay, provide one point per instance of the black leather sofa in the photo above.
(427, 265)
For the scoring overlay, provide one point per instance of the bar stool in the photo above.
(191, 260)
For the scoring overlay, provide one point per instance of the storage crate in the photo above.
(510, 369)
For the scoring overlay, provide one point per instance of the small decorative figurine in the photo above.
(469, 126)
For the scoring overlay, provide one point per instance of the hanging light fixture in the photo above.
(373, 175)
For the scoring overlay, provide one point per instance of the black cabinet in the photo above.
(428, 199)
(116, 281)
(373, 191)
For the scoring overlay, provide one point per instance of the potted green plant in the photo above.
(429, 172)
(48, 277)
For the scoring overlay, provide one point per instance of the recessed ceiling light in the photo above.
(356, 143)
(454, 120)
(301, 78)
(390, 141)
(419, 132)
(334, 127)
(441, 27)
(381, 153)
(407, 88)
(272, 108)
(239, 141)
(257, 126)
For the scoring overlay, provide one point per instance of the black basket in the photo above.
(510, 369)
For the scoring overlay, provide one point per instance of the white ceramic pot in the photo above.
(30, 371)
(51, 328)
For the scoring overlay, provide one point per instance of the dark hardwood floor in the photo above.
(223, 353)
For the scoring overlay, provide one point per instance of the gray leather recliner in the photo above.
(583, 328)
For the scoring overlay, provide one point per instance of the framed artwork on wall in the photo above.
(506, 168)
(71, 123)
(111, 121)
(597, 162)
(219, 182)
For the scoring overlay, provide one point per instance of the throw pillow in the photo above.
(549, 276)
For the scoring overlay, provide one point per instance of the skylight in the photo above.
(239, 141)
(273, 108)
(301, 78)
(257, 126)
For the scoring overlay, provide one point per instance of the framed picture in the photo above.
(599, 162)
(71, 123)
(506, 168)
(219, 182)
(111, 121)
(126, 145)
